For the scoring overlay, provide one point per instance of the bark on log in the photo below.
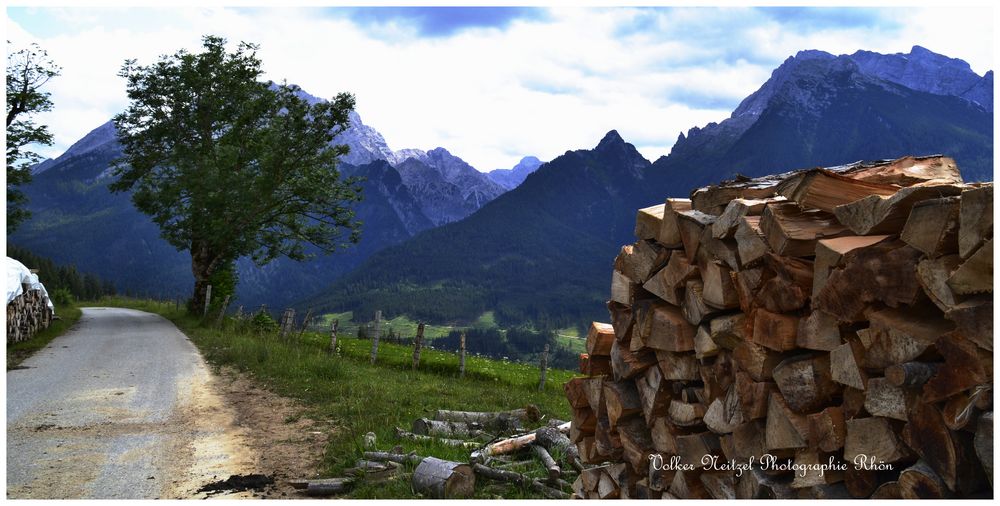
(728, 331)
(962, 369)
(877, 214)
(438, 428)
(919, 481)
(402, 434)
(550, 465)
(983, 443)
(879, 273)
(900, 336)
(911, 373)
(498, 419)
(626, 364)
(884, 399)
(973, 320)
(805, 382)
(394, 457)
(519, 479)
(825, 190)
(442, 479)
(933, 276)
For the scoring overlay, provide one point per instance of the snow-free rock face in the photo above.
(925, 70)
(447, 188)
(513, 177)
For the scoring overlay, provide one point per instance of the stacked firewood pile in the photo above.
(28, 307)
(825, 333)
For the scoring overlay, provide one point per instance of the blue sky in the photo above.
(492, 84)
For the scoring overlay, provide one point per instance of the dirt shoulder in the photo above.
(288, 444)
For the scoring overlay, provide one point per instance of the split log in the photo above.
(670, 235)
(775, 331)
(718, 290)
(597, 365)
(757, 485)
(753, 396)
(550, 465)
(425, 427)
(663, 433)
(825, 190)
(695, 449)
(677, 366)
(723, 250)
(704, 345)
(640, 260)
(846, 365)
(575, 390)
(668, 283)
(900, 336)
(785, 428)
(853, 403)
(686, 414)
(637, 445)
(751, 245)
(623, 289)
(756, 360)
(747, 282)
(828, 491)
(884, 399)
(919, 481)
(584, 423)
(692, 224)
(805, 382)
(959, 412)
(443, 479)
(626, 364)
(713, 199)
(599, 339)
(860, 482)
(787, 284)
(687, 485)
(827, 429)
(728, 331)
(975, 275)
(622, 400)
(905, 171)
(933, 274)
(882, 272)
(654, 395)
(724, 414)
(829, 253)
(649, 221)
(790, 231)
(607, 488)
(818, 331)
(726, 224)
(621, 319)
(973, 320)
(962, 369)
(749, 441)
(593, 389)
(878, 214)
(873, 441)
(810, 475)
(983, 443)
(932, 226)
(719, 485)
(976, 219)
(695, 309)
(669, 330)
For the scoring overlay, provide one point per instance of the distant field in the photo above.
(400, 325)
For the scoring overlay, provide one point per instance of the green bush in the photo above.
(61, 297)
(262, 322)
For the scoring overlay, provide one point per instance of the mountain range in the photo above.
(543, 250)
(444, 243)
(405, 192)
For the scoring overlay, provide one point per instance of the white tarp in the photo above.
(17, 275)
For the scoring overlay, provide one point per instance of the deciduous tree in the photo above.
(27, 71)
(229, 165)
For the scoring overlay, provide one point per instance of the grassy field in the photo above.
(68, 315)
(400, 325)
(359, 397)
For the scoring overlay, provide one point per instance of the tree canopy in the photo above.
(27, 71)
(231, 166)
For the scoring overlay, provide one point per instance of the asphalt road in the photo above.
(121, 406)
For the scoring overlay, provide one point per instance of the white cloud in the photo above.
(490, 95)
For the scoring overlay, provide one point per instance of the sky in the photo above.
(490, 84)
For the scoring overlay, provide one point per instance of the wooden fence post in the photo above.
(222, 311)
(544, 366)
(461, 356)
(287, 322)
(208, 300)
(305, 322)
(378, 328)
(417, 342)
(239, 313)
(333, 336)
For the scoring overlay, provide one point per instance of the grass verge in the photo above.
(18, 352)
(359, 397)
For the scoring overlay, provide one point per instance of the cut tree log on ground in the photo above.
(442, 479)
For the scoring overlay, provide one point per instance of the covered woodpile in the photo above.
(28, 306)
(824, 333)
